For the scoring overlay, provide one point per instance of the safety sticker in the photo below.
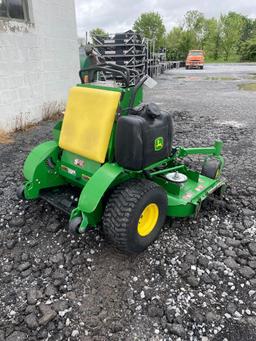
(86, 177)
(69, 170)
(199, 188)
(79, 162)
(187, 196)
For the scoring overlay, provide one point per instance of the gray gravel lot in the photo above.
(196, 91)
(198, 280)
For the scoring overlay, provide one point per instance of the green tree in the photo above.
(179, 42)
(231, 26)
(212, 44)
(173, 44)
(248, 29)
(151, 26)
(248, 50)
(97, 31)
(253, 31)
(196, 24)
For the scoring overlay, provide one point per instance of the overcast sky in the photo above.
(119, 15)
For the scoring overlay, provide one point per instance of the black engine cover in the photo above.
(143, 138)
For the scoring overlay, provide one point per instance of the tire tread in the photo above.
(119, 208)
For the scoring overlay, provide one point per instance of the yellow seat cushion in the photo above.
(88, 122)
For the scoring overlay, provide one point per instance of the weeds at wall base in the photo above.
(5, 138)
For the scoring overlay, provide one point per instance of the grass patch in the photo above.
(221, 78)
(180, 77)
(5, 138)
(247, 86)
(55, 116)
(53, 111)
(232, 59)
(22, 123)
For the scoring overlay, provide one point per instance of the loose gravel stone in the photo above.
(231, 263)
(252, 248)
(17, 336)
(48, 314)
(211, 317)
(17, 222)
(31, 321)
(24, 266)
(193, 281)
(32, 296)
(53, 227)
(50, 290)
(252, 264)
(231, 308)
(246, 272)
(176, 329)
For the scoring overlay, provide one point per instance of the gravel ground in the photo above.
(196, 282)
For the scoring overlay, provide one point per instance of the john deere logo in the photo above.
(159, 143)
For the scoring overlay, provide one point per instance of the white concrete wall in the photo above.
(39, 61)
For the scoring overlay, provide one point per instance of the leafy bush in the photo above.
(248, 50)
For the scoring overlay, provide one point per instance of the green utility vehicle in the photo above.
(111, 161)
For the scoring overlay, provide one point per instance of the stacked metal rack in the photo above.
(128, 49)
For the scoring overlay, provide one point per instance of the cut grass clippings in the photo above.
(247, 86)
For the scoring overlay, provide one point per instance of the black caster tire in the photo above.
(20, 192)
(73, 226)
(211, 168)
(134, 215)
(220, 192)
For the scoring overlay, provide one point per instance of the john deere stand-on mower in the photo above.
(112, 161)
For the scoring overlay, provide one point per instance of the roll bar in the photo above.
(120, 70)
(96, 68)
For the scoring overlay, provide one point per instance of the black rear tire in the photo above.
(124, 211)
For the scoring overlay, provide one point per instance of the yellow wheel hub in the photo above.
(217, 174)
(148, 220)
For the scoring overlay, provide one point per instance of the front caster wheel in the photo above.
(211, 168)
(20, 192)
(74, 225)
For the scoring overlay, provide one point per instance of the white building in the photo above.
(39, 58)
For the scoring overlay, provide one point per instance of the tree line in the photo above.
(231, 37)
